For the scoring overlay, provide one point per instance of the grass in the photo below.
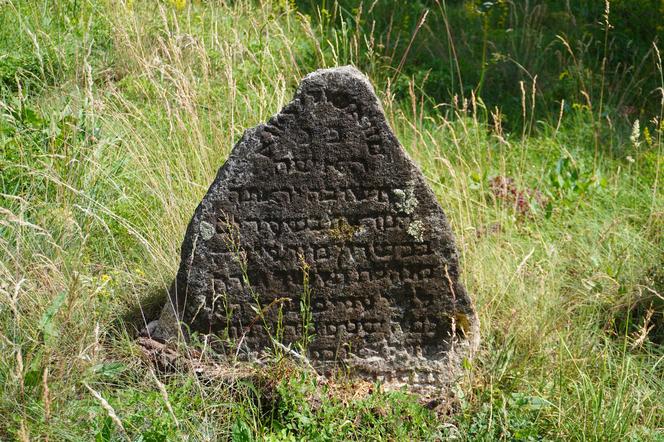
(114, 119)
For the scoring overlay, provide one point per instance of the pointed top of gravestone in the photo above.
(321, 206)
(339, 82)
(338, 76)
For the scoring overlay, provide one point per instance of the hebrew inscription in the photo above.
(324, 191)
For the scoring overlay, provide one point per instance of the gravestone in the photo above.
(319, 222)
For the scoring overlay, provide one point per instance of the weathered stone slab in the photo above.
(325, 182)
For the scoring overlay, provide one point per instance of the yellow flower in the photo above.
(178, 4)
(647, 136)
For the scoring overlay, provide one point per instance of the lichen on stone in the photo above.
(343, 231)
(406, 201)
(207, 230)
(416, 230)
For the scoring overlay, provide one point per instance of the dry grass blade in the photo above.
(111, 412)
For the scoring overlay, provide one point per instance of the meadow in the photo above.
(539, 127)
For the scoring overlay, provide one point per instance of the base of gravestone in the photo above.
(167, 329)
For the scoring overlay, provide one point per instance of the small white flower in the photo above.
(636, 134)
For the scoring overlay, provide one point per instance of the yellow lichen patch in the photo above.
(343, 231)
(462, 323)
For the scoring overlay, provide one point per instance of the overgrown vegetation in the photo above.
(538, 125)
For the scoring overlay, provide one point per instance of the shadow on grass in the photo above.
(140, 313)
(641, 315)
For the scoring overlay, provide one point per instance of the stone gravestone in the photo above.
(324, 191)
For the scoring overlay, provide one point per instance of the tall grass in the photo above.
(114, 120)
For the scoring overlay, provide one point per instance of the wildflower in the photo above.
(636, 134)
(607, 13)
(647, 136)
(179, 4)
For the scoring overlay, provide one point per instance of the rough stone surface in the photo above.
(325, 182)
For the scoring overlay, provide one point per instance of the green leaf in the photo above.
(105, 433)
(30, 117)
(548, 210)
(109, 369)
(46, 324)
(240, 432)
(32, 377)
